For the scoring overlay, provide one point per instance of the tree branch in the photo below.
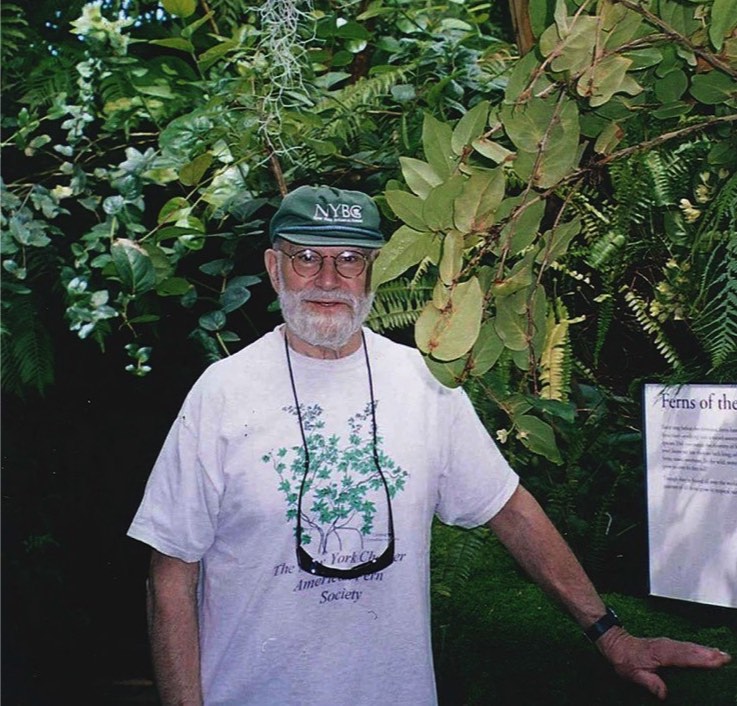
(707, 56)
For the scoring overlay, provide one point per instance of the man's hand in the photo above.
(637, 659)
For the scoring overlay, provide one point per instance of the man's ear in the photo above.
(271, 260)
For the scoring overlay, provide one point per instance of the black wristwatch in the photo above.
(608, 620)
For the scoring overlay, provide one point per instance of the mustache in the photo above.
(323, 296)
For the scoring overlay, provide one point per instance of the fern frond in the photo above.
(651, 327)
(716, 326)
(398, 304)
(13, 27)
(460, 549)
(366, 92)
(26, 354)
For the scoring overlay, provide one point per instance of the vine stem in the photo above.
(665, 137)
(707, 56)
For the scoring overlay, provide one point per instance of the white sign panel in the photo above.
(691, 456)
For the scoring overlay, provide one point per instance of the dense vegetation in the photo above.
(558, 180)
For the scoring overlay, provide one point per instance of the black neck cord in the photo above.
(304, 437)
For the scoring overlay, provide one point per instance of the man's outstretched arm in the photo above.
(529, 535)
(173, 629)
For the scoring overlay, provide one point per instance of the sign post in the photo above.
(691, 460)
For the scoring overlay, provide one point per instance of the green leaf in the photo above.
(574, 45)
(470, 127)
(608, 138)
(713, 88)
(236, 294)
(419, 175)
(556, 241)
(408, 207)
(493, 151)
(449, 373)
(522, 229)
(181, 8)
(133, 266)
(436, 142)
(723, 21)
(174, 43)
(486, 350)
(537, 436)
(437, 208)
(451, 261)
(510, 324)
(173, 287)
(450, 333)
(221, 267)
(214, 321)
(671, 87)
(191, 174)
(174, 209)
(546, 126)
(407, 247)
(520, 277)
(476, 205)
(602, 80)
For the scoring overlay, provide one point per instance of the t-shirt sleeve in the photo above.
(476, 481)
(179, 511)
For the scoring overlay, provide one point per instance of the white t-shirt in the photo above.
(224, 492)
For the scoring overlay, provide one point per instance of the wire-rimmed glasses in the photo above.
(307, 262)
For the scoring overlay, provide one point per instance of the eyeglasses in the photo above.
(307, 263)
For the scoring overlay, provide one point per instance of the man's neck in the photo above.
(304, 348)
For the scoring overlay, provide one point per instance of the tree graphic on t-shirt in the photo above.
(342, 486)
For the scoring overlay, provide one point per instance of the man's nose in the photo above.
(328, 277)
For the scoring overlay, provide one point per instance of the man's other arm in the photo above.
(529, 535)
(174, 630)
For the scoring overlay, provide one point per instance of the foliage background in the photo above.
(144, 150)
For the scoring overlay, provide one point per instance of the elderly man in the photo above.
(290, 508)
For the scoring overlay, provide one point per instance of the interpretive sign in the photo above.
(691, 456)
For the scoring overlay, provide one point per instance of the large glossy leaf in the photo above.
(437, 209)
(486, 350)
(619, 24)
(474, 208)
(605, 78)
(556, 242)
(713, 88)
(420, 176)
(574, 45)
(520, 277)
(542, 124)
(133, 266)
(510, 324)
(237, 293)
(408, 207)
(452, 257)
(451, 333)
(191, 174)
(492, 150)
(407, 247)
(723, 21)
(450, 373)
(522, 229)
(470, 127)
(537, 436)
(181, 8)
(436, 142)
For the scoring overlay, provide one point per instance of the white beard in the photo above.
(330, 330)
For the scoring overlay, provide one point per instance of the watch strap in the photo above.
(602, 625)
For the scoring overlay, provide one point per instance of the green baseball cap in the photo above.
(325, 216)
